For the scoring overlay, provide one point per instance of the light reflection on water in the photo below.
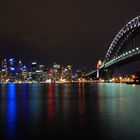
(50, 102)
(69, 111)
(11, 110)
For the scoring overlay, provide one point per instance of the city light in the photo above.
(16, 72)
(24, 67)
(33, 63)
(11, 59)
(12, 69)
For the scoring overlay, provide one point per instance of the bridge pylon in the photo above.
(99, 64)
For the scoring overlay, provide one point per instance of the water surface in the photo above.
(69, 111)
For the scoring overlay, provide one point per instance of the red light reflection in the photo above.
(50, 104)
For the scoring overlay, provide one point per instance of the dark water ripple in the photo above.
(69, 111)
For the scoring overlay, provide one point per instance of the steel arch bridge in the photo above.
(125, 46)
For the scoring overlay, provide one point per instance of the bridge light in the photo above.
(99, 62)
(126, 53)
(133, 50)
(129, 51)
(137, 48)
(120, 78)
(133, 76)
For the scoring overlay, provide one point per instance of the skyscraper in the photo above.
(12, 70)
(33, 70)
(56, 72)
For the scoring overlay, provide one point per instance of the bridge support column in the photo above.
(98, 74)
(98, 67)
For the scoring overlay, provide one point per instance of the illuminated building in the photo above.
(4, 71)
(39, 73)
(43, 75)
(68, 73)
(20, 66)
(62, 72)
(42, 68)
(24, 72)
(33, 66)
(33, 70)
(79, 73)
(4, 66)
(20, 70)
(11, 62)
(12, 70)
(49, 72)
(56, 72)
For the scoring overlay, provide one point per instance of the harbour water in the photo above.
(69, 111)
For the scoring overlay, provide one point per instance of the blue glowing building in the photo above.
(11, 70)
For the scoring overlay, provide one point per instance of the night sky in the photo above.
(76, 32)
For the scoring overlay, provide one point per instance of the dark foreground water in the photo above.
(69, 111)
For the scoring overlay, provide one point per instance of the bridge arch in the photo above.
(124, 48)
(117, 49)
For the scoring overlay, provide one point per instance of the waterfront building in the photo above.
(56, 72)
(12, 70)
(19, 70)
(68, 73)
(24, 72)
(33, 70)
(4, 66)
(4, 70)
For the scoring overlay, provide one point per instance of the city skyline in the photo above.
(12, 70)
(65, 33)
(69, 70)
